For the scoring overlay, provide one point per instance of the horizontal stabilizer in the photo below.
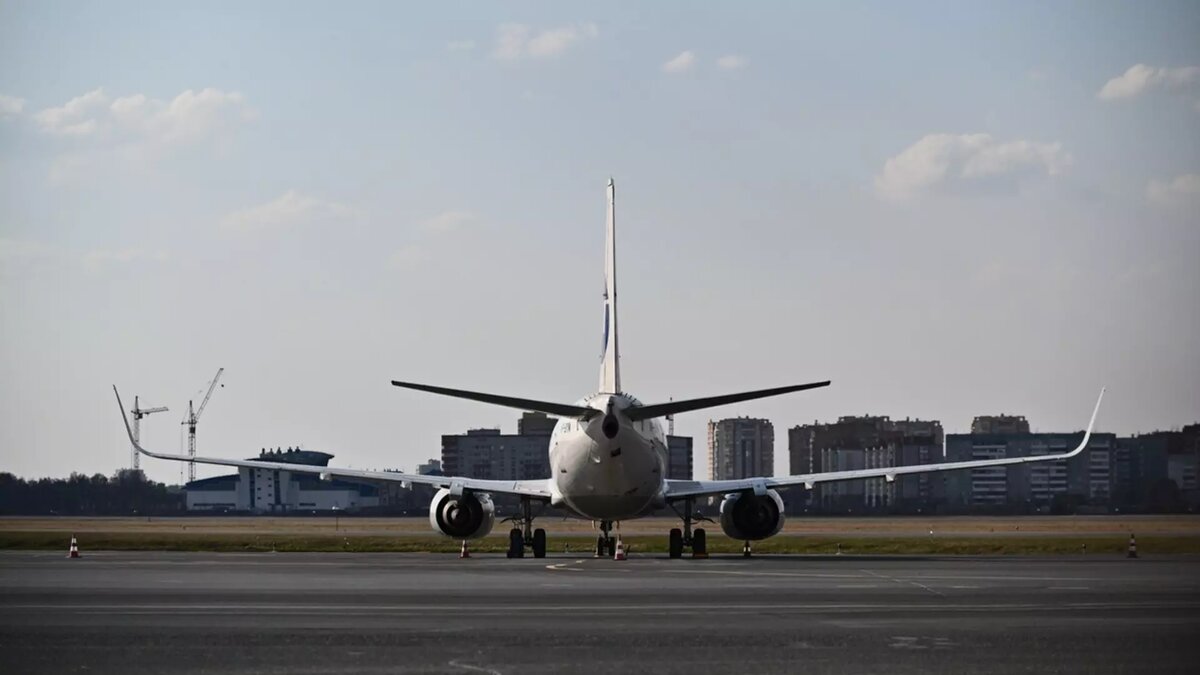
(555, 409)
(673, 407)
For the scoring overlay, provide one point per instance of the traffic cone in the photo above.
(1132, 547)
(619, 554)
(463, 552)
(74, 552)
(746, 550)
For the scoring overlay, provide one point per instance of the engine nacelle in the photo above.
(470, 516)
(748, 517)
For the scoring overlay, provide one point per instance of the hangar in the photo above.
(267, 491)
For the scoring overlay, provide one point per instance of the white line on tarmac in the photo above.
(575, 608)
(903, 581)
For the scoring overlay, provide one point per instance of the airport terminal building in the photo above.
(263, 491)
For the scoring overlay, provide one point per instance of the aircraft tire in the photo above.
(539, 543)
(675, 543)
(516, 544)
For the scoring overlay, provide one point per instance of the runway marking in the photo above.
(575, 609)
(904, 581)
(475, 669)
(910, 642)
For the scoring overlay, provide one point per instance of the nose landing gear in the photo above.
(679, 539)
(523, 535)
(605, 544)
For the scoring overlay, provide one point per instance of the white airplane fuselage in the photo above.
(608, 467)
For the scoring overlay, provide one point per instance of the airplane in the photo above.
(608, 457)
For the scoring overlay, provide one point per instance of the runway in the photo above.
(419, 613)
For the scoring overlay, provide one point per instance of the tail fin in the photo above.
(610, 359)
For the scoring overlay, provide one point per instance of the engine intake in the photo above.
(749, 517)
(470, 516)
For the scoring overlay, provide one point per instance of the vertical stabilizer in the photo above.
(610, 359)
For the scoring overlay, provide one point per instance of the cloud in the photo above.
(291, 209)
(1141, 78)
(460, 45)
(448, 221)
(407, 257)
(189, 117)
(11, 106)
(19, 256)
(945, 160)
(1181, 191)
(76, 117)
(515, 41)
(732, 62)
(98, 259)
(681, 63)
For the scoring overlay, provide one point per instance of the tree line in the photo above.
(127, 492)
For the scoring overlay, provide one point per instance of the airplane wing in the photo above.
(537, 489)
(680, 489)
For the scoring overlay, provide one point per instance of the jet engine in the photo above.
(749, 517)
(470, 516)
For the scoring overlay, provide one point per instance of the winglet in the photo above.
(125, 418)
(1087, 435)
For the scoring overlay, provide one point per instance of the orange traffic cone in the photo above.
(463, 552)
(619, 554)
(746, 550)
(1132, 547)
(74, 551)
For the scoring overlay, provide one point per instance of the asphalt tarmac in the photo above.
(419, 613)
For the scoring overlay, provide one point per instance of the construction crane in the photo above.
(192, 418)
(138, 413)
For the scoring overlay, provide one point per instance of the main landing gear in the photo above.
(679, 539)
(523, 535)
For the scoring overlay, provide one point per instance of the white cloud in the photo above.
(515, 41)
(189, 117)
(460, 45)
(448, 221)
(288, 210)
(683, 62)
(407, 257)
(12, 250)
(97, 259)
(732, 62)
(11, 105)
(1140, 78)
(75, 117)
(943, 160)
(1181, 191)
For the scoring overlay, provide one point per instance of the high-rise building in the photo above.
(1000, 424)
(489, 454)
(679, 457)
(862, 443)
(740, 447)
(1084, 481)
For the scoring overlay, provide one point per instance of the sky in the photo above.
(948, 208)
